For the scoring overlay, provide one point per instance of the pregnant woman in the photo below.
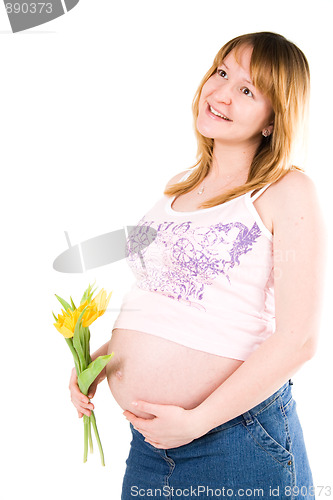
(226, 304)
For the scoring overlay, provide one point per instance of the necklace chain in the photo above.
(203, 187)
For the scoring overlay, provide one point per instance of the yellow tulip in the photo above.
(66, 322)
(87, 370)
(89, 316)
(96, 308)
(101, 301)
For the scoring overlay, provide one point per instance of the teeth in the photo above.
(216, 113)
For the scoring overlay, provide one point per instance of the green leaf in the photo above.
(86, 336)
(88, 293)
(78, 343)
(83, 342)
(73, 305)
(55, 317)
(86, 378)
(63, 303)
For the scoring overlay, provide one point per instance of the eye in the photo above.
(248, 91)
(219, 71)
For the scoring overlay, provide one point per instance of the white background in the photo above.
(95, 119)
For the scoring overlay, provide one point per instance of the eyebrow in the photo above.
(245, 80)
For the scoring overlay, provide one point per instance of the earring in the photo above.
(265, 133)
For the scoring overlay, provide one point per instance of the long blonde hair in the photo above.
(279, 70)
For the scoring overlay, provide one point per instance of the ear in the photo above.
(271, 123)
(269, 127)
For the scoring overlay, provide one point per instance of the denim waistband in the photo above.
(285, 389)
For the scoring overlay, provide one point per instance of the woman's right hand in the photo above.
(80, 401)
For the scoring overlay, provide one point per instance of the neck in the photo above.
(230, 161)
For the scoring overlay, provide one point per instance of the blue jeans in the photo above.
(259, 454)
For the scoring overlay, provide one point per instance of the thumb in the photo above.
(152, 408)
(92, 389)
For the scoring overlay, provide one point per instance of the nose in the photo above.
(223, 93)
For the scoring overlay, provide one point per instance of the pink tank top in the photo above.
(207, 278)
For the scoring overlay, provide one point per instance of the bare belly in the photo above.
(159, 371)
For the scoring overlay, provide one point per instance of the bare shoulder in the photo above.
(289, 197)
(294, 185)
(295, 180)
(294, 198)
(175, 179)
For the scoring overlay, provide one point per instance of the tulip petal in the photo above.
(108, 300)
(89, 320)
(66, 332)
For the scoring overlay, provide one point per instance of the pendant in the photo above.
(201, 190)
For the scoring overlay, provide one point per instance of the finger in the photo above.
(129, 414)
(83, 411)
(80, 399)
(131, 419)
(81, 402)
(146, 407)
(73, 377)
(92, 390)
(77, 395)
(87, 412)
(138, 424)
(83, 407)
(85, 403)
(153, 443)
(148, 437)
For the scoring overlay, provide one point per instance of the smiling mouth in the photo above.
(216, 113)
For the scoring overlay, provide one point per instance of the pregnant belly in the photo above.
(159, 371)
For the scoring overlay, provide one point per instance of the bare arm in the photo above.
(102, 351)
(299, 246)
(299, 264)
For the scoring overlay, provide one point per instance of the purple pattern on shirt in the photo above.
(184, 257)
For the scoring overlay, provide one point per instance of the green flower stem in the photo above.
(85, 428)
(77, 338)
(75, 356)
(93, 421)
(89, 436)
(86, 336)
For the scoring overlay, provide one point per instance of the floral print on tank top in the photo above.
(185, 258)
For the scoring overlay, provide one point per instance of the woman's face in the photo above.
(230, 92)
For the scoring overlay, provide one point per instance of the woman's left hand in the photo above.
(172, 426)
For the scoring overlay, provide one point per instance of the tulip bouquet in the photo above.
(74, 324)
